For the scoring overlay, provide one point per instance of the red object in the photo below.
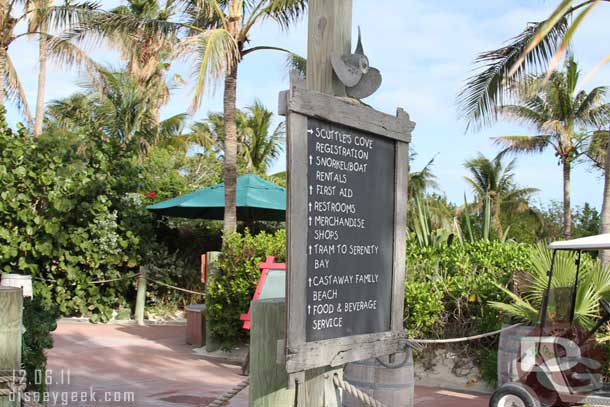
(151, 195)
(203, 268)
(269, 264)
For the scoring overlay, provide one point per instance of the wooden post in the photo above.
(11, 314)
(141, 297)
(211, 259)
(329, 31)
(268, 379)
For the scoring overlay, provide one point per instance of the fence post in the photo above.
(268, 379)
(211, 259)
(11, 314)
(141, 297)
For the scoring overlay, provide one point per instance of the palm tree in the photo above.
(215, 36)
(41, 16)
(422, 180)
(258, 144)
(116, 106)
(557, 111)
(539, 47)
(37, 21)
(493, 182)
(147, 53)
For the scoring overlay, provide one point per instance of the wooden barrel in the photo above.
(509, 348)
(392, 385)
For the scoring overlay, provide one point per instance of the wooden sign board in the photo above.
(347, 197)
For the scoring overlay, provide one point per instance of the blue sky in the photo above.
(424, 49)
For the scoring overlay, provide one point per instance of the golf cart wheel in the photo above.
(513, 395)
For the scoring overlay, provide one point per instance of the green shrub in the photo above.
(39, 321)
(423, 307)
(463, 279)
(61, 219)
(230, 292)
(72, 212)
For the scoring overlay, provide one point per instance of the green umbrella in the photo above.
(256, 199)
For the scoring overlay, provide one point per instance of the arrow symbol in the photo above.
(309, 309)
(310, 160)
(310, 131)
(310, 190)
(309, 204)
(309, 249)
(310, 281)
(310, 221)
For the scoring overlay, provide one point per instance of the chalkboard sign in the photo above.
(350, 231)
(346, 225)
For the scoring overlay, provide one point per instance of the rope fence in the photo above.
(134, 275)
(353, 391)
(14, 380)
(226, 397)
(462, 339)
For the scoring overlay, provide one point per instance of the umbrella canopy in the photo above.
(256, 199)
(597, 242)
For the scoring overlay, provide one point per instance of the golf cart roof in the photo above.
(597, 242)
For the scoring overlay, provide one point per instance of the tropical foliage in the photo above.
(593, 284)
(494, 186)
(561, 115)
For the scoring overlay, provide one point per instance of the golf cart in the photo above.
(559, 362)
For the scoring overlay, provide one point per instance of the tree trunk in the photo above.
(604, 255)
(42, 79)
(230, 153)
(567, 210)
(3, 57)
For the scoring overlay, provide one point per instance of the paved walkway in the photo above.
(128, 365)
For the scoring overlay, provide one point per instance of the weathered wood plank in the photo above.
(329, 31)
(342, 111)
(11, 314)
(268, 381)
(319, 389)
(141, 295)
(336, 352)
(400, 233)
(211, 267)
(297, 229)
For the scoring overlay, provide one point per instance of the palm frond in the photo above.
(563, 48)
(524, 114)
(519, 309)
(215, 53)
(69, 55)
(590, 100)
(14, 91)
(70, 15)
(598, 145)
(296, 63)
(93, 27)
(422, 180)
(285, 12)
(487, 89)
(522, 144)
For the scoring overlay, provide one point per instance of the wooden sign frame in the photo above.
(299, 104)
